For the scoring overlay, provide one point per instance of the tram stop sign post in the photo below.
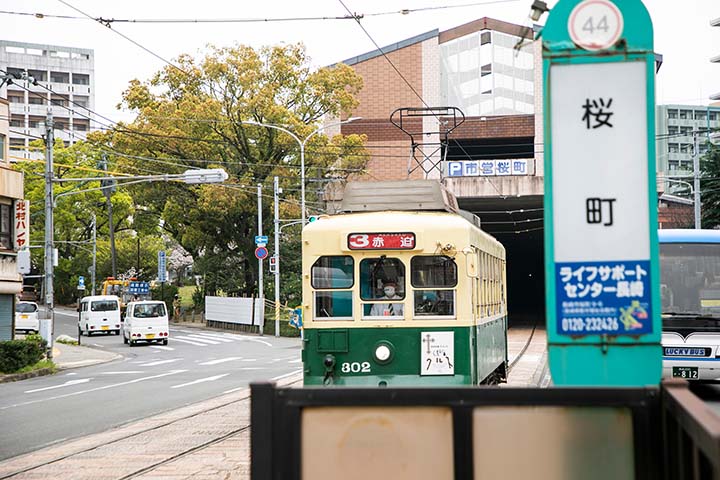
(601, 254)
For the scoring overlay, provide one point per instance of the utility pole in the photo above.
(696, 179)
(94, 260)
(261, 294)
(49, 247)
(276, 255)
(109, 184)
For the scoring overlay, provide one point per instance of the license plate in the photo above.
(685, 372)
(105, 327)
(152, 335)
(24, 317)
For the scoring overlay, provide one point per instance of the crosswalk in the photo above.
(204, 339)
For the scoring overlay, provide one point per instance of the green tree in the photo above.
(192, 117)
(710, 187)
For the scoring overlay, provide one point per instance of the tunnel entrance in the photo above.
(517, 223)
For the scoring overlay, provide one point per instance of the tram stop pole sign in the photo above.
(601, 254)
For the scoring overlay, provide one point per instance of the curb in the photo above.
(16, 377)
(540, 371)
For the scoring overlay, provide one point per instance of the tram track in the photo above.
(525, 347)
(136, 434)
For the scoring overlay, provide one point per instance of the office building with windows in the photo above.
(47, 76)
(675, 127)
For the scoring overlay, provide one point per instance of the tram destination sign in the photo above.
(381, 241)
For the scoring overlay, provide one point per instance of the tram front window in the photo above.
(328, 275)
(382, 287)
(434, 279)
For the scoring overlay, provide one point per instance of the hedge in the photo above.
(17, 354)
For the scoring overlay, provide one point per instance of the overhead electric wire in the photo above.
(108, 21)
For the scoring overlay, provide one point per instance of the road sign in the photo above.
(595, 24)
(162, 268)
(602, 288)
(139, 288)
(81, 283)
(261, 253)
(261, 240)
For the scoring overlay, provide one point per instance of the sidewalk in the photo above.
(66, 356)
(531, 369)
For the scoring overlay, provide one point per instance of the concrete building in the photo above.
(61, 78)
(674, 125)
(716, 58)
(490, 71)
(12, 210)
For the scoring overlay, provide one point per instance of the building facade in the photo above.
(675, 127)
(12, 208)
(47, 77)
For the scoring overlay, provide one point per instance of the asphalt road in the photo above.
(196, 365)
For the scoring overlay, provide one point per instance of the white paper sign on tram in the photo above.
(437, 353)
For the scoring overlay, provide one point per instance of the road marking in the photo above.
(223, 337)
(250, 360)
(258, 341)
(198, 341)
(252, 368)
(208, 379)
(58, 312)
(160, 362)
(160, 347)
(70, 374)
(221, 360)
(172, 372)
(236, 389)
(69, 383)
(205, 338)
(98, 345)
(122, 373)
(295, 361)
(286, 375)
(176, 339)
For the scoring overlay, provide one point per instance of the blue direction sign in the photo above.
(162, 266)
(261, 253)
(139, 288)
(81, 283)
(601, 259)
(261, 240)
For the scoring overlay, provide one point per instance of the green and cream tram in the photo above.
(402, 288)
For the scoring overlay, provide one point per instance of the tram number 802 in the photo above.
(355, 367)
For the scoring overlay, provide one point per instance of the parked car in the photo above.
(26, 317)
(146, 321)
(99, 313)
(28, 294)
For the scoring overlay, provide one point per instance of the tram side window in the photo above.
(330, 276)
(382, 287)
(434, 279)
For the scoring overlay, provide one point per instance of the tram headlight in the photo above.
(329, 361)
(383, 352)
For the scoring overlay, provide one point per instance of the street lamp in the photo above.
(302, 150)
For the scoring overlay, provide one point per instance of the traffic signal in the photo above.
(273, 264)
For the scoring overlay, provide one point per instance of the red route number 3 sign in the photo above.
(381, 241)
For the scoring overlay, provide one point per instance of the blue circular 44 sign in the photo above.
(261, 253)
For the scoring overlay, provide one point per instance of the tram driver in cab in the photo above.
(392, 309)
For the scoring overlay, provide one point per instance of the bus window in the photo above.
(328, 275)
(434, 279)
(382, 287)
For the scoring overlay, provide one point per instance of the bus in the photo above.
(402, 288)
(690, 294)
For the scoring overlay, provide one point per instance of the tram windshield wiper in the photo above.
(694, 315)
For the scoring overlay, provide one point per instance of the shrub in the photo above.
(17, 354)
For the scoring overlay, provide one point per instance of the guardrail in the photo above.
(691, 434)
(459, 433)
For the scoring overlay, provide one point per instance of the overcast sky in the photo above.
(682, 34)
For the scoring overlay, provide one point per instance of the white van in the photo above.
(99, 313)
(146, 321)
(26, 317)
